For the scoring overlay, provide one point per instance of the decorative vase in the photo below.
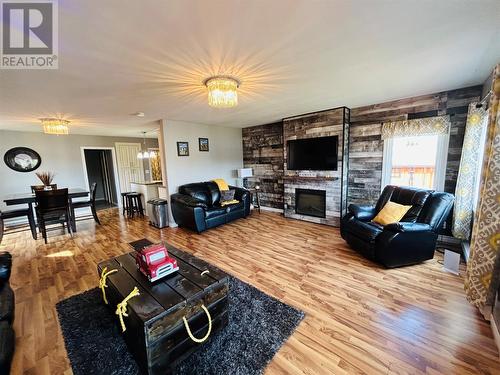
(47, 187)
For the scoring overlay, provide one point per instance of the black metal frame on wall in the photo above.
(310, 125)
(344, 191)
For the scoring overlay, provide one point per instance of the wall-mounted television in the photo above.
(316, 154)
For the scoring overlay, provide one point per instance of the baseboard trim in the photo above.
(271, 209)
(496, 334)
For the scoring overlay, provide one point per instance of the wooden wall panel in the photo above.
(263, 145)
(366, 145)
(321, 124)
(263, 151)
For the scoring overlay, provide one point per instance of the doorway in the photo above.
(100, 168)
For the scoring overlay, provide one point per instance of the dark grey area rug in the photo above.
(258, 327)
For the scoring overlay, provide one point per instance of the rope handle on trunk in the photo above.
(102, 282)
(203, 339)
(121, 308)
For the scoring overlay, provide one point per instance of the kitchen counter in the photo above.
(148, 183)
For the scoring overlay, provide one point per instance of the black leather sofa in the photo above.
(410, 241)
(7, 303)
(197, 206)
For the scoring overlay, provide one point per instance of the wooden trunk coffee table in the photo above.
(157, 320)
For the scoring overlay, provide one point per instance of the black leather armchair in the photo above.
(410, 241)
(7, 303)
(197, 206)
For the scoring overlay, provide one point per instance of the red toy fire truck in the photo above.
(154, 262)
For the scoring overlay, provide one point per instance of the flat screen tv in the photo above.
(316, 154)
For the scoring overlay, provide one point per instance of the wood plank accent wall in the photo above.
(366, 145)
(263, 152)
(263, 145)
(334, 122)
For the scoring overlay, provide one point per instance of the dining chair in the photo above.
(18, 213)
(42, 187)
(52, 207)
(90, 203)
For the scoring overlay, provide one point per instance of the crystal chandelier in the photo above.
(55, 126)
(222, 91)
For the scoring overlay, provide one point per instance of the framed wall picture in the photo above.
(22, 159)
(203, 143)
(182, 148)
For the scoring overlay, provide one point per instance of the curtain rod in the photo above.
(483, 102)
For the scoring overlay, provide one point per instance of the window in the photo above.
(157, 257)
(418, 161)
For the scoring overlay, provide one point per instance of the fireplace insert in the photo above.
(310, 202)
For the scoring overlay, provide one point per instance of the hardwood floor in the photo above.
(360, 318)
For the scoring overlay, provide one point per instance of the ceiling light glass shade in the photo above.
(222, 92)
(55, 126)
(144, 155)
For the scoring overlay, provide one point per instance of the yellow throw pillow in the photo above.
(221, 183)
(227, 203)
(391, 213)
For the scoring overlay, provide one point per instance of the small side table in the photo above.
(255, 192)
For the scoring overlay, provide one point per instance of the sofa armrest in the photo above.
(363, 213)
(5, 266)
(408, 227)
(242, 195)
(188, 200)
(188, 212)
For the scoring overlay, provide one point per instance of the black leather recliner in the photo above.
(197, 206)
(410, 241)
(7, 303)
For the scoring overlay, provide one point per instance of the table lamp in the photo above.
(244, 173)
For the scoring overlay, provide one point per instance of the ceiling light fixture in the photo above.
(57, 126)
(145, 154)
(222, 91)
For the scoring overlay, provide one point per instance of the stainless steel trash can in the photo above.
(158, 209)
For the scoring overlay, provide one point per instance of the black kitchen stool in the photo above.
(134, 204)
(125, 201)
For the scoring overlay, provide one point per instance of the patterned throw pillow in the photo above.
(227, 195)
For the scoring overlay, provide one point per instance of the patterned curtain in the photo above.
(483, 269)
(477, 121)
(421, 126)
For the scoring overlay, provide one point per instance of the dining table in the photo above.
(30, 199)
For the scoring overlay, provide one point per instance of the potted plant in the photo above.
(46, 178)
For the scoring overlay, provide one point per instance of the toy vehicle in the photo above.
(154, 262)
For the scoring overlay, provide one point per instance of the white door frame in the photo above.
(115, 168)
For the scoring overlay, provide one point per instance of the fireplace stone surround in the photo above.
(334, 183)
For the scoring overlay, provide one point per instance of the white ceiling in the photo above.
(118, 57)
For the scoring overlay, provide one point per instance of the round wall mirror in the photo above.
(22, 159)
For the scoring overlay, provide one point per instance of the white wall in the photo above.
(222, 161)
(60, 154)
